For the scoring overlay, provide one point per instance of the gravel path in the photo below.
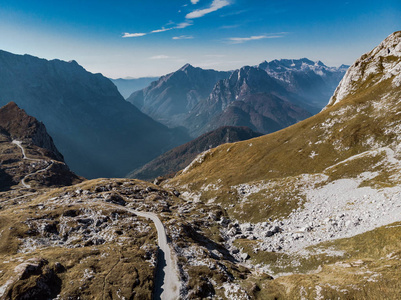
(167, 281)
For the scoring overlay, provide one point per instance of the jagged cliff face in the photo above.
(381, 65)
(313, 80)
(170, 98)
(250, 97)
(97, 131)
(266, 98)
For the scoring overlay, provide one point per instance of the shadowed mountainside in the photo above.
(99, 133)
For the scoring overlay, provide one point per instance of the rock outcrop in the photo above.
(382, 64)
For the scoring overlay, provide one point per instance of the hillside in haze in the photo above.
(311, 80)
(98, 132)
(178, 158)
(174, 95)
(127, 86)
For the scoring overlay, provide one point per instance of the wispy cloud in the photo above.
(240, 40)
(161, 30)
(216, 5)
(160, 57)
(194, 1)
(184, 25)
(129, 35)
(183, 37)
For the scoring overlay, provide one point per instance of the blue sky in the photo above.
(150, 38)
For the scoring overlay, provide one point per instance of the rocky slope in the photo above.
(309, 199)
(169, 99)
(29, 158)
(88, 241)
(250, 97)
(128, 86)
(97, 131)
(178, 158)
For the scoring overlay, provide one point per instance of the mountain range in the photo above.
(99, 133)
(266, 98)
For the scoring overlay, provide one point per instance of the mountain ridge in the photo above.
(304, 85)
(176, 93)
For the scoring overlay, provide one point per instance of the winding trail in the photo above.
(19, 144)
(167, 282)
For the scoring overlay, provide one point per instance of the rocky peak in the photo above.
(186, 67)
(381, 64)
(19, 125)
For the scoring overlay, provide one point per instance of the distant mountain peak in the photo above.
(186, 67)
(380, 64)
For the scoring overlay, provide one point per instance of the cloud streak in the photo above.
(194, 1)
(216, 5)
(183, 37)
(129, 35)
(161, 30)
(240, 40)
